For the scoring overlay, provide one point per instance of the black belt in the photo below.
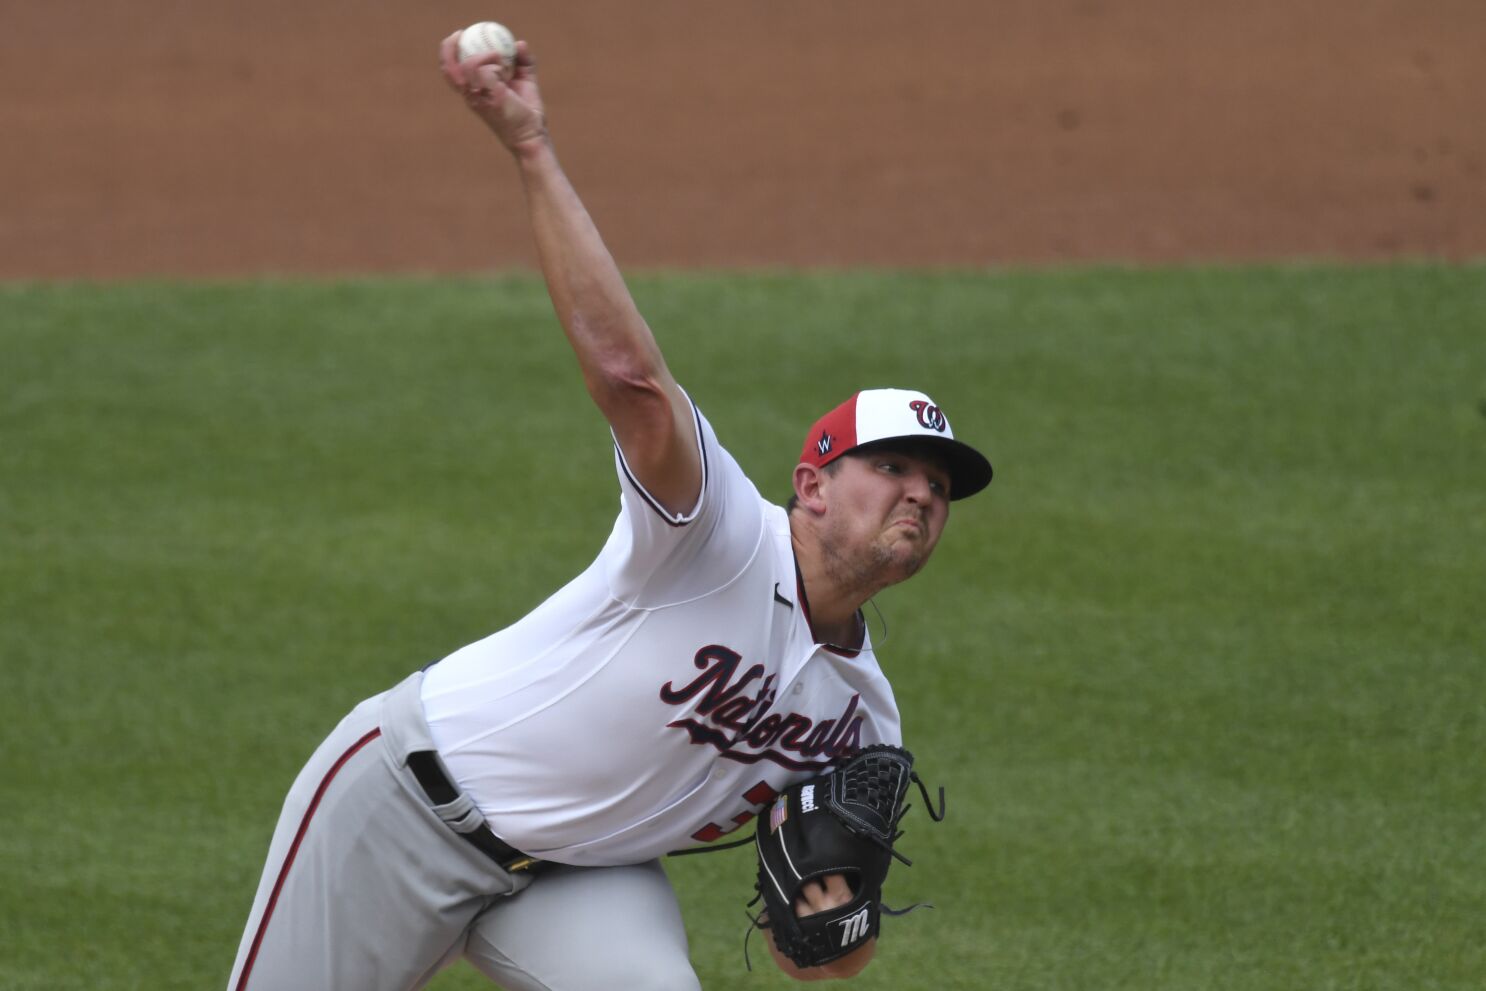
(441, 791)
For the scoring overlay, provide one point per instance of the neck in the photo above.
(835, 591)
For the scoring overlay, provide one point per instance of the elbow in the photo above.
(637, 385)
(842, 968)
(628, 388)
(845, 968)
(619, 364)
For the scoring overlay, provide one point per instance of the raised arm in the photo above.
(621, 363)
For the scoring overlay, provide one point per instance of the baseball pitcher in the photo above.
(711, 668)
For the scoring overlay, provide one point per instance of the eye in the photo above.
(891, 467)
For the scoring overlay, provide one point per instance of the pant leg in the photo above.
(365, 888)
(586, 929)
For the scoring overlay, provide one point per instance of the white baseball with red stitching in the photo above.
(488, 36)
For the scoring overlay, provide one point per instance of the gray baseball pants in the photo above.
(368, 886)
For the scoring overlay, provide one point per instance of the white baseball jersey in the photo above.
(665, 695)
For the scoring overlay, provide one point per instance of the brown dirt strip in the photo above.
(163, 137)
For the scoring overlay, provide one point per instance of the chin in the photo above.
(904, 565)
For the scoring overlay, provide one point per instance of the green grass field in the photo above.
(1203, 674)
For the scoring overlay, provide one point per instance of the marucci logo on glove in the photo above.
(855, 928)
(807, 798)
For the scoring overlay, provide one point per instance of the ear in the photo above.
(808, 483)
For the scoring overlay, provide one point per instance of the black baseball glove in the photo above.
(843, 823)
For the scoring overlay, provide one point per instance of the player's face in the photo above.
(886, 511)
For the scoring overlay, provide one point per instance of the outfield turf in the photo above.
(1203, 673)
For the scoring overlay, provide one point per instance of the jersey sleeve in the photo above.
(656, 558)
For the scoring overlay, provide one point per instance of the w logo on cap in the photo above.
(929, 416)
(823, 446)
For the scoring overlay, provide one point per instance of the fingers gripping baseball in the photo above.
(506, 100)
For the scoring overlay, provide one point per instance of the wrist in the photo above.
(533, 150)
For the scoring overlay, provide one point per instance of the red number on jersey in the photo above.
(759, 794)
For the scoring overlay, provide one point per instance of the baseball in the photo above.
(488, 36)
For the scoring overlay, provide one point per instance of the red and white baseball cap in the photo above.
(873, 416)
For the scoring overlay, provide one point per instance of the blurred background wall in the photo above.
(209, 138)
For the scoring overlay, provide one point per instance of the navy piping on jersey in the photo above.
(649, 499)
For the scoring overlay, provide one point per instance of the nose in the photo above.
(917, 488)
